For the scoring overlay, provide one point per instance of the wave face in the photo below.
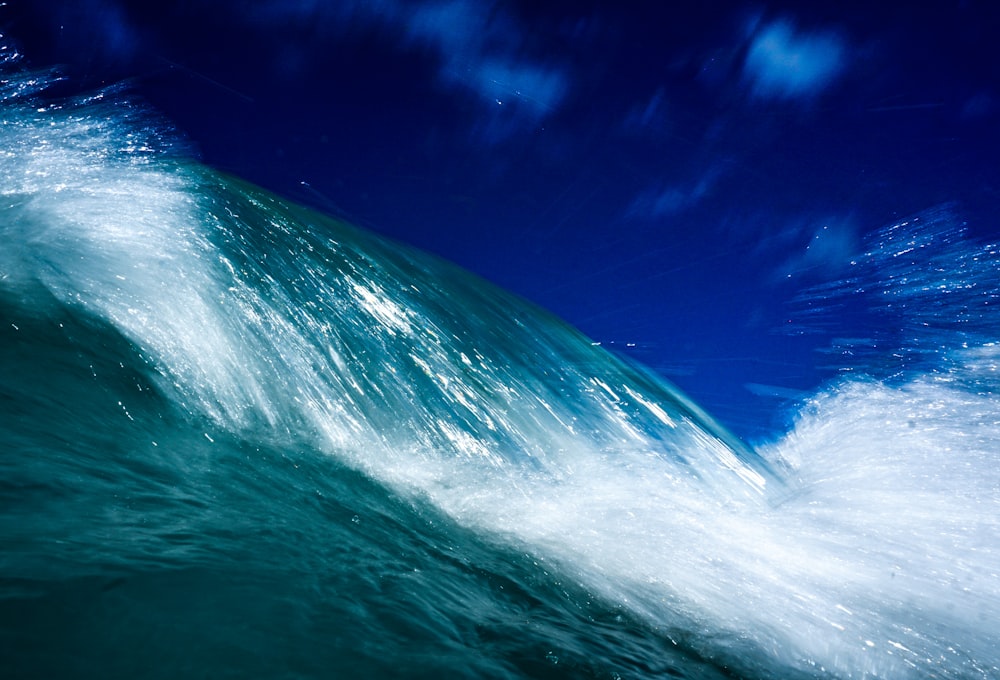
(244, 439)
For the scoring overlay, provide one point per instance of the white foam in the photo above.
(878, 560)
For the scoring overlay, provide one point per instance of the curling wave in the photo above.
(239, 432)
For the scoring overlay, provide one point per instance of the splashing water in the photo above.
(186, 352)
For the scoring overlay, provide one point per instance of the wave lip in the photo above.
(863, 544)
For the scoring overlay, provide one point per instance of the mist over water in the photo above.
(241, 438)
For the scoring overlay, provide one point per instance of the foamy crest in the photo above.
(876, 557)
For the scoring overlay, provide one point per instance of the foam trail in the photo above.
(875, 556)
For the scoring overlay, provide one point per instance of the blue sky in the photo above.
(668, 177)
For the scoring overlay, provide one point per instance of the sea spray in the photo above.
(243, 373)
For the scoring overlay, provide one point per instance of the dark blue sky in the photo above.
(665, 176)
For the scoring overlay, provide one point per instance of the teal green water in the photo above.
(224, 419)
(241, 439)
(232, 558)
(149, 533)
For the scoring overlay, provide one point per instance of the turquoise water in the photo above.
(243, 439)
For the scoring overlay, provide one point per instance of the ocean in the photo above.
(244, 439)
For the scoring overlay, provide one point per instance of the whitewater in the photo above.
(241, 438)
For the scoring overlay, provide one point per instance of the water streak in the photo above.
(871, 552)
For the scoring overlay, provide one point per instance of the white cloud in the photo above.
(483, 52)
(480, 50)
(783, 63)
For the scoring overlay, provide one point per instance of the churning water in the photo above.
(239, 438)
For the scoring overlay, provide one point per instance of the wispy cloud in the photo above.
(484, 52)
(671, 198)
(650, 114)
(827, 248)
(783, 63)
(480, 50)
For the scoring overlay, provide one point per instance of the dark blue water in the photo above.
(238, 438)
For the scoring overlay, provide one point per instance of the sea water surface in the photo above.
(241, 439)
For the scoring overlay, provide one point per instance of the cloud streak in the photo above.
(783, 63)
(480, 50)
(484, 54)
(671, 199)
